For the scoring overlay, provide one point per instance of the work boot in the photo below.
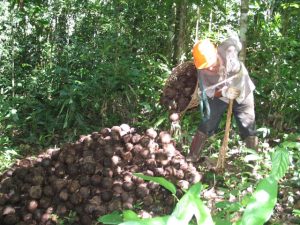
(252, 142)
(197, 146)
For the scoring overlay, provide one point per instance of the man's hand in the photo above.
(230, 92)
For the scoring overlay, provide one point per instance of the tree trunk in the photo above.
(243, 28)
(180, 30)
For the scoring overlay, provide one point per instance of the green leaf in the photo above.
(296, 212)
(260, 208)
(112, 218)
(219, 221)
(190, 205)
(280, 163)
(163, 220)
(130, 215)
(290, 144)
(160, 180)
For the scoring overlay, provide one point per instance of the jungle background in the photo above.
(71, 67)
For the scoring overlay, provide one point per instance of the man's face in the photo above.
(232, 60)
(232, 52)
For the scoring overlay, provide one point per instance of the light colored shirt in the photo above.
(241, 82)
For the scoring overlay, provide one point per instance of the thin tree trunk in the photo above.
(180, 28)
(197, 25)
(243, 28)
(210, 21)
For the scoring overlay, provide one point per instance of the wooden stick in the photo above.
(222, 153)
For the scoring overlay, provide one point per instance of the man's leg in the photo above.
(245, 117)
(206, 128)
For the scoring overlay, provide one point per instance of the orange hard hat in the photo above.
(204, 53)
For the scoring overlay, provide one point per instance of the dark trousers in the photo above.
(244, 115)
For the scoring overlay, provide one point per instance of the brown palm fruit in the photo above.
(116, 160)
(26, 217)
(48, 191)
(174, 117)
(183, 184)
(45, 202)
(127, 138)
(64, 195)
(129, 146)
(37, 215)
(76, 198)
(151, 164)
(85, 219)
(46, 217)
(105, 132)
(137, 149)
(125, 129)
(193, 177)
(88, 153)
(165, 137)
(32, 206)
(109, 150)
(59, 184)
(8, 210)
(145, 153)
(35, 192)
(96, 180)
(115, 204)
(73, 186)
(95, 136)
(116, 133)
(106, 196)
(107, 183)
(137, 180)
(107, 172)
(151, 133)
(136, 138)
(70, 159)
(60, 171)
(170, 93)
(179, 174)
(144, 141)
(84, 180)
(169, 149)
(152, 185)
(11, 219)
(159, 171)
(126, 156)
(128, 186)
(3, 198)
(117, 187)
(142, 190)
(148, 200)
(85, 192)
(183, 103)
(72, 169)
(14, 197)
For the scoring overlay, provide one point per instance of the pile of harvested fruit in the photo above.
(180, 87)
(93, 177)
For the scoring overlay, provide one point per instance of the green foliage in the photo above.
(280, 163)
(260, 208)
(160, 180)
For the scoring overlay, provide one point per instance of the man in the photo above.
(222, 66)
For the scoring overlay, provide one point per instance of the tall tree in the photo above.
(244, 27)
(180, 30)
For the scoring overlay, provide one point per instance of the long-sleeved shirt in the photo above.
(241, 82)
